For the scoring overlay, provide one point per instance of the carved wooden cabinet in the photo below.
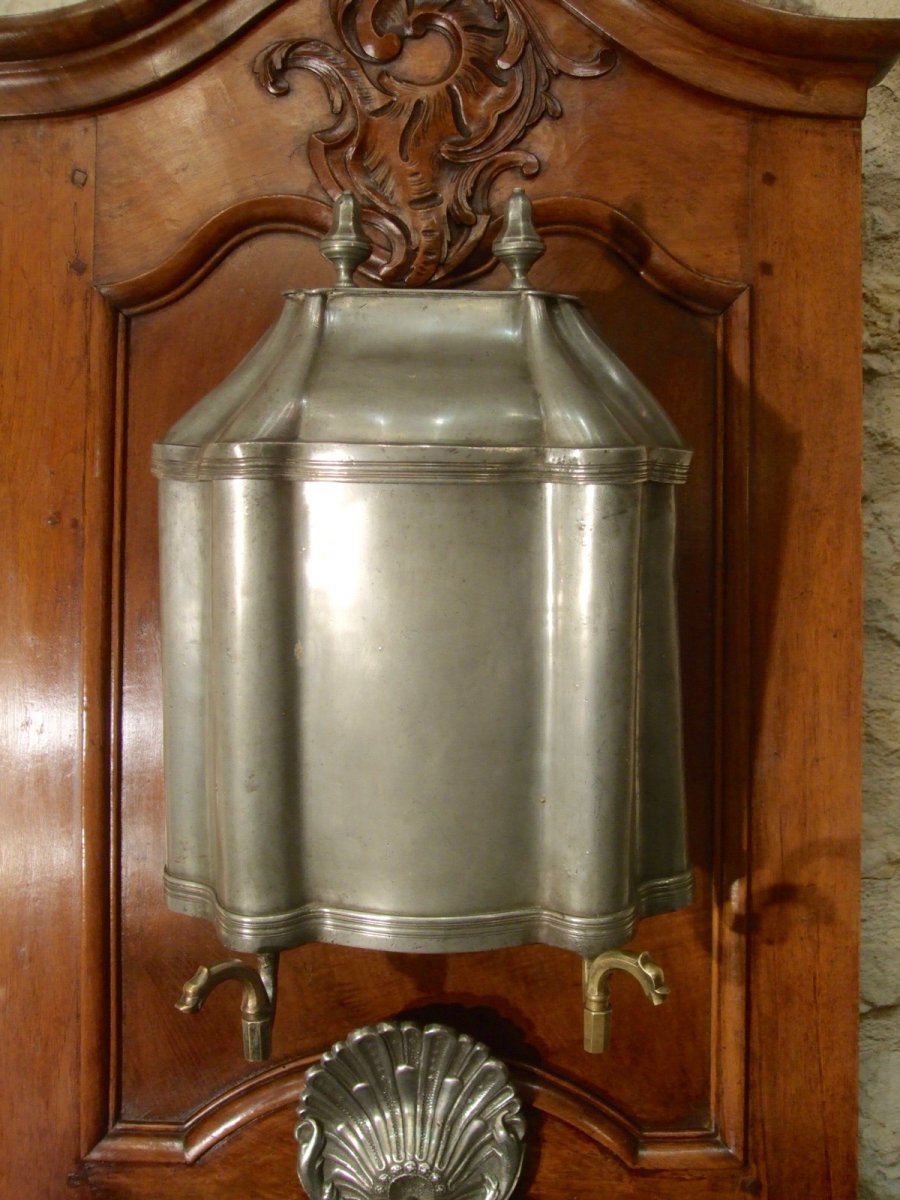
(695, 171)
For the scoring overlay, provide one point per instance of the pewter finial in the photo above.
(346, 245)
(519, 244)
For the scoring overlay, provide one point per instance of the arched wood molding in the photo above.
(102, 51)
(173, 1143)
(651, 261)
(787, 62)
(80, 26)
(213, 241)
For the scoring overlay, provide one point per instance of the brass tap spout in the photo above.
(257, 1001)
(595, 990)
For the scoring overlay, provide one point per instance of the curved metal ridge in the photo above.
(103, 51)
(381, 931)
(350, 462)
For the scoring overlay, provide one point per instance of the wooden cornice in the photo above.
(81, 27)
(787, 62)
(99, 52)
(773, 32)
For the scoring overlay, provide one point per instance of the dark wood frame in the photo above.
(789, 602)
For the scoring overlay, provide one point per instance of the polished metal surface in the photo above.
(409, 1113)
(346, 244)
(258, 999)
(419, 632)
(519, 244)
(597, 1002)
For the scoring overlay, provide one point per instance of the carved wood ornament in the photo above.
(422, 155)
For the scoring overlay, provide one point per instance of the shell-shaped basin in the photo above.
(409, 1113)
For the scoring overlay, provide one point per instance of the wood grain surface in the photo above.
(710, 223)
(97, 52)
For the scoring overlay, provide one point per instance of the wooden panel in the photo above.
(567, 1164)
(160, 181)
(192, 214)
(103, 50)
(175, 354)
(52, 954)
(99, 51)
(807, 615)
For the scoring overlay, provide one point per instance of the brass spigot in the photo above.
(257, 1002)
(595, 991)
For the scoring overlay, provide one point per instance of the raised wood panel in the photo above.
(159, 183)
(716, 243)
(525, 1003)
(566, 1163)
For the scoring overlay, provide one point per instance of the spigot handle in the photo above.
(595, 991)
(597, 1024)
(257, 999)
(257, 1037)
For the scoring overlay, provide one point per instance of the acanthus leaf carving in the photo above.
(422, 156)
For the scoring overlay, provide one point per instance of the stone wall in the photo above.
(880, 989)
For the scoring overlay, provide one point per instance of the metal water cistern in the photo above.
(419, 631)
